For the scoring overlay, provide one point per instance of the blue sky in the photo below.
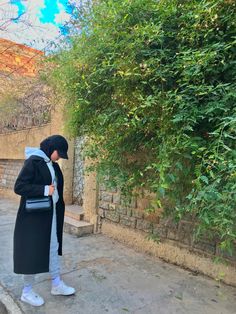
(34, 22)
(52, 8)
(20, 5)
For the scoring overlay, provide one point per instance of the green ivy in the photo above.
(152, 84)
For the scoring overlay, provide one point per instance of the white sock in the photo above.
(27, 289)
(56, 281)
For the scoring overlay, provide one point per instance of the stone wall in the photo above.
(134, 216)
(13, 147)
(9, 170)
(78, 179)
(24, 103)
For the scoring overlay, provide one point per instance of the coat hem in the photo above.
(31, 272)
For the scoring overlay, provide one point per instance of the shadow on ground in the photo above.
(112, 278)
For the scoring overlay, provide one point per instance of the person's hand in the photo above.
(51, 189)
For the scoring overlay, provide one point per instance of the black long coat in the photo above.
(33, 230)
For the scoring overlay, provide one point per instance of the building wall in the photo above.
(19, 57)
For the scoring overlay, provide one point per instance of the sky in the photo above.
(36, 23)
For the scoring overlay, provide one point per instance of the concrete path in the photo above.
(111, 278)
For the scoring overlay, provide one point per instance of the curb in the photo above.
(7, 303)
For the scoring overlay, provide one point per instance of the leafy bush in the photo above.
(152, 84)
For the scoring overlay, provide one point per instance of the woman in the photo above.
(38, 236)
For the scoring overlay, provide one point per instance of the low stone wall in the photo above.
(9, 170)
(134, 217)
(13, 148)
(12, 155)
(78, 178)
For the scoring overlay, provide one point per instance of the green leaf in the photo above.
(204, 179)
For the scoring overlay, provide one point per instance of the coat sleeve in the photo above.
(24, 183)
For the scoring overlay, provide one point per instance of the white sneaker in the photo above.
(62, 289)
(32, 298)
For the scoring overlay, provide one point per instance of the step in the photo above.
(74, 211)
(76, 227)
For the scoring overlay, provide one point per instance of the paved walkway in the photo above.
(111, 278)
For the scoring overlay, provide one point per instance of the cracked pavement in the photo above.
(112, 278)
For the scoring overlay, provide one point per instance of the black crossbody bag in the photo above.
(38, 204)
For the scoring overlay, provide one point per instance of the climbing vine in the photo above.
(152, 84)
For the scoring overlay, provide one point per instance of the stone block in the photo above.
(116, 198)
(107, 197)
(160, 230)
(129, 212)
(205, 247)
(144, 225)
(104, 205)
(112, 189)
(152, 217)
(113, 216)
(78, 228)
(121, 209)
(138, 213)
(128, 221)
(131, 203)
(185, 232)
(225, 254)
(101, 212)
(102, 187)
(142, 203)
(112, 206)
(172, 230)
